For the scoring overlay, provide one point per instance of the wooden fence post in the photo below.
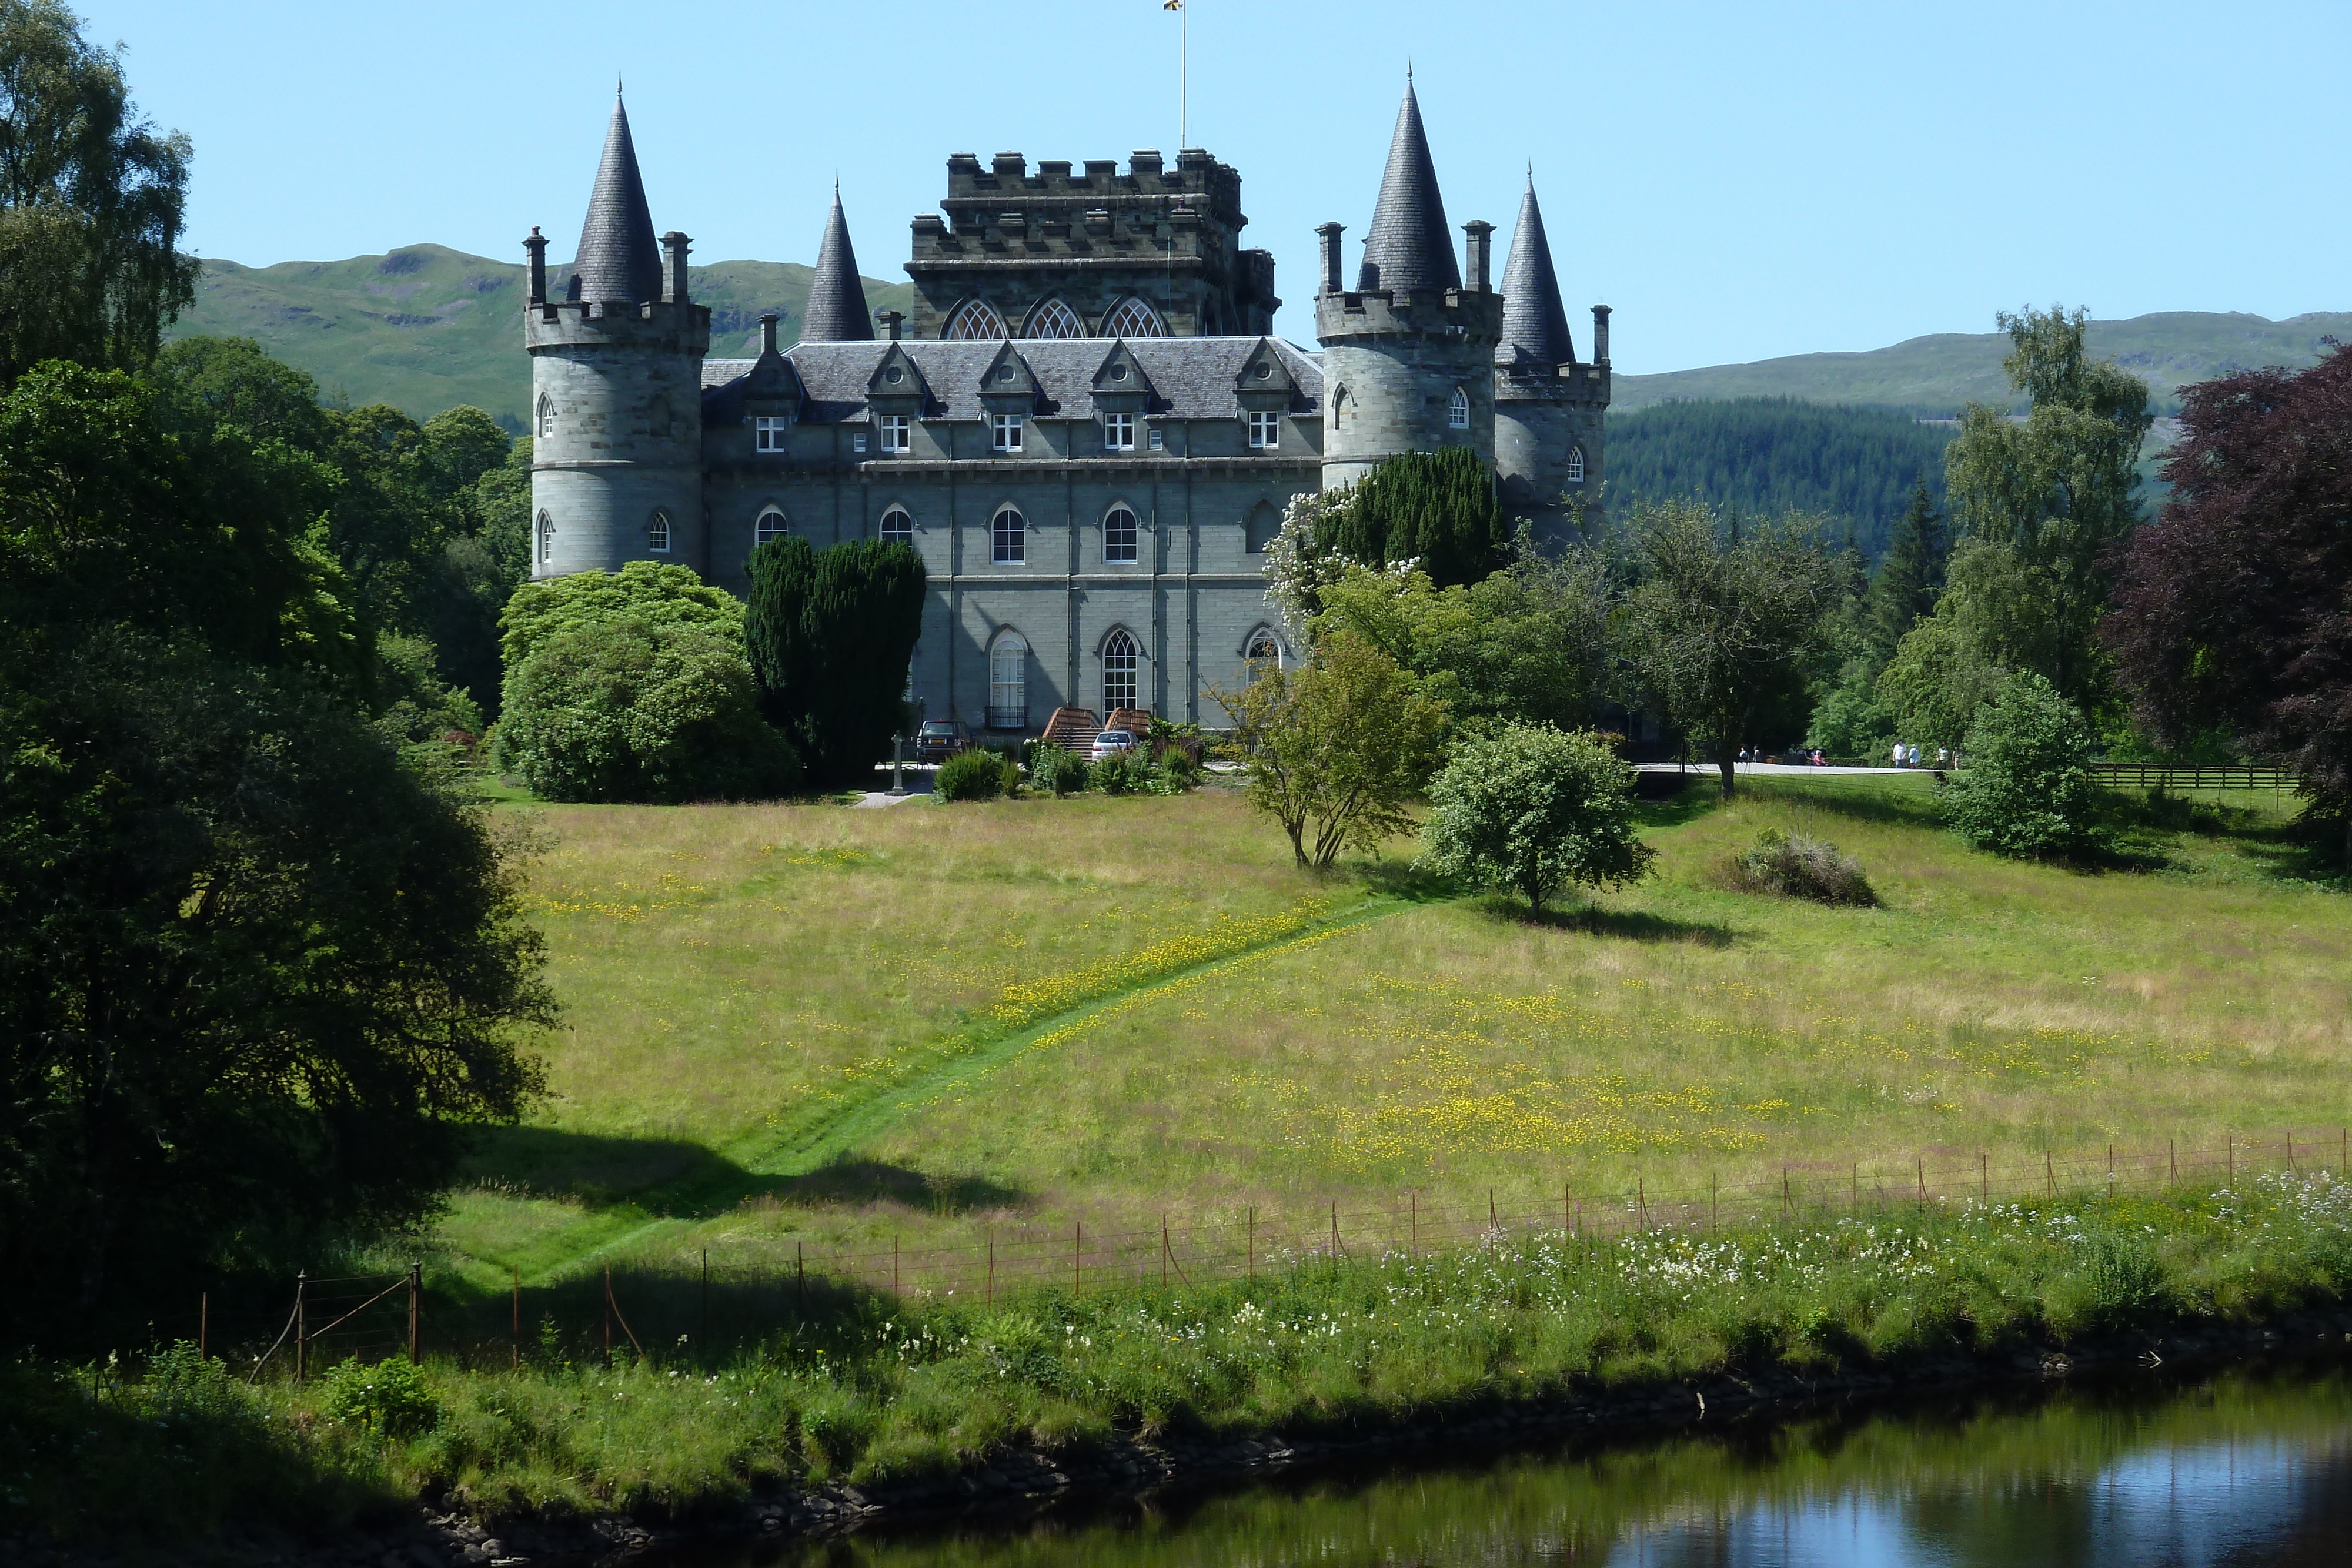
(416, 1290)
(2232, 1156)
(515, 1361)
(2171, 1164)
(992, 1268)
(800, 1280)
(1710, 1200)
(608, 1316)
(1642, 1200)
(1077, 1250)
(1335, 1238)
(1413, 1235)
(1920, 1168)
(895, 1292)
(702, 1326)
(301, 1326)
(1984, 1175)
(2050, 1172)
(1788, 1199)
(203, 1321)
(1252, 1244)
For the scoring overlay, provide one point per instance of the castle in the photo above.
(1084, 426)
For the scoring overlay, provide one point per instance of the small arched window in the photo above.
(1131, 318)
(898, 527)
(1119, 657)
(1259, 528)
(546, 538)
(1054, 319)
(657, 534)
(546, 416)
(770, 526)
(1008, 682)
(1457, 410)
(1341, 407)
(973, 319)
(1264, 657)
(1008, 534)
(1575, 470)
(1119, 531)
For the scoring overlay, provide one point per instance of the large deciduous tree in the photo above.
(1725, 623)
(1534, 808)
(2234, 611)
(91, 198)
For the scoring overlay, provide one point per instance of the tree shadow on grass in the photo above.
(1594, 920)
(1888, 804)
(1659, 803)
(1406, 880)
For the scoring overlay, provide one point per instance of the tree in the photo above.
(1337, 748)
(1439, 510)
(2027, 791)
(1935, 686)
(1910, 576)
(2234, 612)
(641, 590)
(830, 635)
(1534, 808)
(1725, 622)
(91, 200)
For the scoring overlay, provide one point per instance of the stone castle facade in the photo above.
(1084, 426)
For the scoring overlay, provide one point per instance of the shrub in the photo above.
(1119, 774)
(1052, 768)
(389, 1399)
(829, 633)
(1795, 866)
(969, 776)
(2027, 791)
(1533, 808)
(639, 710)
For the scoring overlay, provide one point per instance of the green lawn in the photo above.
(797, 1026)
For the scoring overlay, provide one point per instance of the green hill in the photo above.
(1940, 372)
(426, 328)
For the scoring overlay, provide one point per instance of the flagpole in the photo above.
(1183, 77)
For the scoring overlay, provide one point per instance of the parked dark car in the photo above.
(938, 739)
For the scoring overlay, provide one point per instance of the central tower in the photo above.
(1409, 352)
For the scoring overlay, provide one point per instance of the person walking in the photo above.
(1896, 756)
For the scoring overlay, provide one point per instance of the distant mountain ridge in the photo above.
(425, 327)
(2169, 348)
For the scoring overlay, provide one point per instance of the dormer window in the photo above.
(893, 428)
(1265, 430)
(768, 432)
(1119, 433)
(1005, 429)
(1457, 412)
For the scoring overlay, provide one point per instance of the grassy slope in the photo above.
(426, 328)
(1946, 369)
(762, 1023)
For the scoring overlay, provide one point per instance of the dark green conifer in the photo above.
(1911, 577)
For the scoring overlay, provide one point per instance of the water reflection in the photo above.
(2250, 1467)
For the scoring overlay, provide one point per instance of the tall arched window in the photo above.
(770, 526)
(657, 534)
(1131, 318)
(1054, 319)
(898, 527)
(1576, 466)
(973, 319)
(1008, 682)
(1457, 410)
(1008, 537)
(1263, 657)
(1119, 659)
(546, 538)
(1119, 537)
(546, 416)
(1341, 407)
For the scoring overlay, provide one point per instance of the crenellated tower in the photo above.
(617, 388)
(1408, 353)
(1548, 407)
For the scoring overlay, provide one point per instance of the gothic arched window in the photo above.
(1131, 318)
(770, 526)
(1008, 535)
(1054, 319)
(973, 320)
(898, 527)
(1341, 407)
(1575, 472)
(1008, 682)
(1264, 657)
(657, 534)
(1119, 658)
(546, 538)
(1119, 537)
(546, 416)
(1457, 410)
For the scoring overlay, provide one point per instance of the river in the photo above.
(2247, 1467)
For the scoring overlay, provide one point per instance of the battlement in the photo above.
(656, 325)
(1467, 315)
(1577, 383)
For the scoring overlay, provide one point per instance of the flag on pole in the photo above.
(1172, 4)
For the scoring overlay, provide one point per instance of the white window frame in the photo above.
(894, 431)
(546, 539)
(1159, 440)
(657, 534)
(1008, 545)
(1264, 431)
(1053, 318)
(763, 529)
(1005, 431)
(1576, 465)
(974, 320)
(904, 535)
(1133, 318)
(1008, 681)
(546, 416)
(857, 441)
(1122, 544)
(1256, 666)
(1119, 433)
(1122, 660)
(768, 432)
(1457, 410)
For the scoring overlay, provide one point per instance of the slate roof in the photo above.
(1191, 377)
(836, 303)
(619, 262)
(1535, 323)
(1409, 248)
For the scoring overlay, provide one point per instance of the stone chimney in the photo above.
(1475, 251)
(767, 319)
(891, 321)
(537, 246)
(1601, 334)
(1331, 236)
(674, 248)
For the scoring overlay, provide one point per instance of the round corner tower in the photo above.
(1409, 352)
(616, 389)
(1548, 408)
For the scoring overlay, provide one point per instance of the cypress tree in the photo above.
(1439, 509)
(1911, 577)
(775, 632)
(829, 633)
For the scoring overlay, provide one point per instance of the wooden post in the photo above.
(1642, 1200)
(301, 1325)
(415, 1289)
(2050, 1172)
(1788, 1199)
(2171, 1163)
(1163, 1252)
(608, 1316)
(702, 1327)
(2233, 1158)
(1412, 1237)
(1920, 1168)
(2111, 1168)
(1492, 1224)
(992, 1268)
(2290, 1152)
(1252, 1244)
(1984, 1174)
(1335, 1238)
(203, 1321)
(1078, 1248)
(894, 1264)
(1710, 1200)
(515, 1364)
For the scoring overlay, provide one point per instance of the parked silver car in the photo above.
(1113, 743)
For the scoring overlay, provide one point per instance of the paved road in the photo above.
(1768, 767)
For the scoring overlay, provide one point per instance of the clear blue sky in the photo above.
(1739, 181)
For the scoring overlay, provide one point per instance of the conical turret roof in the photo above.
(836, 303)
(619, 262)
(1535, 323)
(1409, 248)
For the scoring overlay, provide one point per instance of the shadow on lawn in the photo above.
(1627, 925)
(673, 1178)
